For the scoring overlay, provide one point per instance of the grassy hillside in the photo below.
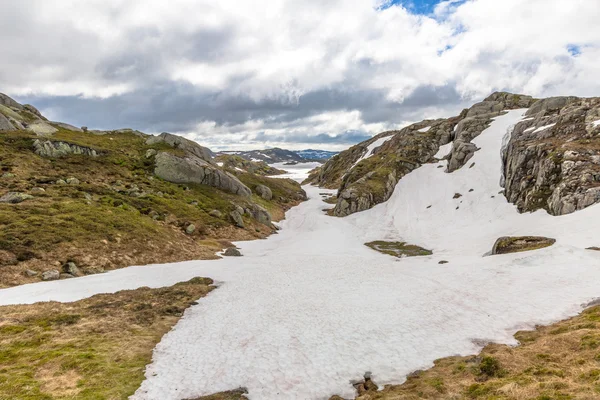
(114, 212)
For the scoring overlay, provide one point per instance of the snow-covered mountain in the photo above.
(277, 155)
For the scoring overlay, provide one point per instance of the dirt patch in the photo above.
(398, 249)
(95, 348)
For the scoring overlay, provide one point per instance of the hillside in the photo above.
(75, 201)
(549, 161)
(240, 164)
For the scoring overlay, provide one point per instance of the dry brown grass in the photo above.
(95, 348)
(556, 362)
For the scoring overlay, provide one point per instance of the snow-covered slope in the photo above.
(310, 309)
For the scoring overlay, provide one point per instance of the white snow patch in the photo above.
(529, 129)
(543, 128)
(220, 164)
(596, 123)
(444, 150)
(306, 311)
(427, 128)
(239, 169)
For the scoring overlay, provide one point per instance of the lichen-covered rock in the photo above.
(71, 269)
(193, 169)
(264, 192)
(42, 128)
(515, 244)
(50, 148)
(178, 142)
(552, 160)
(9, 102)
(215, 213)
(15, 197)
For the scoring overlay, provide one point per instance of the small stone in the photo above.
(30, 272)
(264, 192)
(429, 206)
(470, 190)
(15, 197)
(236, 216)
(191, 228)
(61, 182)
(37, 190)
(71, 269)
(8, 175)
(443, 262)
(84, 128)
(194, 203)
(232, 252)
(50, 275)
(88, 196)
(457, 195)
(215, 213)
(73, 181)
(472, 165)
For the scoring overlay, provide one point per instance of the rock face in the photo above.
(515, 244)
(193, 169)
(476, 119)
(49, 148)
(5, 124)
(366, 174)
(552, 160)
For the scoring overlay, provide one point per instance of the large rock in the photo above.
(260, 214)
(516, 244)
(178, 142)
(71, 269)
(193, 169)
(48, 148)
(236, 216)
(15, 197)
(42, 128)
(50, 275)
(264, 192)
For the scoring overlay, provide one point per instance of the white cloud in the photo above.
(280, 50)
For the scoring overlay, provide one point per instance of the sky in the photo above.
(289, 73)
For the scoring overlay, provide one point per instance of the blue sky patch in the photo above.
(414, 6)
(574, 49)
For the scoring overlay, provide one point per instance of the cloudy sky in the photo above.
(235, 74)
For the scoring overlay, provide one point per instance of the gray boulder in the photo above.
(260, 214)
(236, 216)
(232, 252)
(190, 229)
(215, 213)
(71, 269)
(195, 170)
(264, 192)
(178, 142)
(15, 197)
(37, 190)
(150, 153)
(73, 181)
(50, 275)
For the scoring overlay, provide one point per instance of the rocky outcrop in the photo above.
(476, 119)
(369, 173)
(191, 169)
(552, 160)
(49, 148)
(237, 163)
(9, 102)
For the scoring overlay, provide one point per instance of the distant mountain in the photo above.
(316, 155)
(277, 155)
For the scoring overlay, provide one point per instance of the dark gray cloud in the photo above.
(178, 107)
